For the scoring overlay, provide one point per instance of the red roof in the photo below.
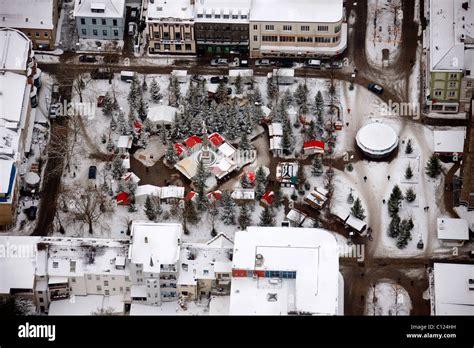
(216, 139)
(313, 143)
(191, 196)
(268, 197)
(192, 141)
(122, 198)
(214, 196)
(137, 124)
(250, 176)
(179, 148)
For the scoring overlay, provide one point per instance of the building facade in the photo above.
(100, 19)
(297, 29)
(37, 19)
(170, 27)
(222, 26)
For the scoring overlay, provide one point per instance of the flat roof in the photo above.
(179, 9)
(14, 49)
(453, 229)
(451, 289)
(449, 141)
(112, 8)
(307, 11)
(12, 92)
(31, 14)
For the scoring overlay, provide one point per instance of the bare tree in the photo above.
(80, 82)
(87, 205)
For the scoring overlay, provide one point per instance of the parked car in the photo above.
(111, 59)
(219, 62)
(132, 28)
(263, 62)
(244, 63)
(375, 88)
(87, 59)
(313, 63)
(286, 63)
(100, 101)
(337, 64)
(92, 172)
(101, 74)
(198, 78)
(218, 79)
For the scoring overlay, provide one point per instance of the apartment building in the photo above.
(37, 19)
(450, 58)
(221, 26)
(153, 256)
(300, 28)
(19, 81)
(170, 27)
(100, 19)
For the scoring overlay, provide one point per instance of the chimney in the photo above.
(146, 239)
(151, 261)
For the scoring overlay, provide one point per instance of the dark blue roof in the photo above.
(10, 185)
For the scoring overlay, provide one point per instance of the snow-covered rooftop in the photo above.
(243, 194)
(154, 244)
(17, 262)
(14, 50)
(213, 11)
(178, 9)
(162, 114)
(172, 192)
(99, 8)
(7, 177)
(76, 257)
(9, 141)
(311, 253)
(275, 129)
(86, 305)
(12, 91)
(450, 25)
(451, 289)
(377, 138)
(307, 11)
(125, 142)
(453, 229)
(33, 14)
(449, 141)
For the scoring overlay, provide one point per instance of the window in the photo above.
(55, 264)
(287, 39)
(270, 38)
(72, 266)
(114, 22)
(217, 16)
(437, 93)
(451, 93)
(73, 280)
(106, 283)
(305, 28)
(255, 27)
(177, 36)
(337, 29)
(83, 21)
(94, 32)
(40, 292)
(139, 272)
(41, 300)
(97, 277)
(335, 38)
(157, 46)
(84, 32)
(323, 27)
(94, 21)
(322, 39)
(305, 39)
(185, 293)
(187, 47)
(115, 32)
(243, 16)
(37, 34)
(208, 15)
(226, 16)
(469, 84)
(287, 28)
(235, 17)
(99, 288)
(46, 34)
(269, 27)
(103, 21)
(29, 34)
(107, 292)
(199, 15)
(437, 107)
(205, 272)
(127, 279)
(255, 38)
(127, 289)
(452, 84)
(113, 278)
(104, 32)
(167, 46)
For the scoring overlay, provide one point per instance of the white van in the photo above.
(131, 28)
(314, 63)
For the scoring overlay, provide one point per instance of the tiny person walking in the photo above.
(365, 179)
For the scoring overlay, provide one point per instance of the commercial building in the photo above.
(300, 28)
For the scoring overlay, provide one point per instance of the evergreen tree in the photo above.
(148, 126)
(134, 93)
(201, 176)
(404, 235)
(267, 217)
(357, 209)
(277, 197)
(143, 139)
(311, 132)
(221, 92)
(408, 172)
(142, 107)
(244, 142)
(244, 217)
(150, 209)
(301, 176)
(144, 84)
(228, 205)
(122, 124)
(170, 154)
(257, 114)
(259, 190)
(232, 127)
(301, 95)
(115, 105)
(155, 92)
(244, 182)
(272, 89)
(238, 84)
(409, 147)
(288, 139)
(261, 176)
(113, 123)
(190, 214)
(410, 195)
(317, 166)
(394, 227)
(117, 168)
(433, 167)
(288, 97)
(202, 202)
(318, 103)
(108, 106)
(257, 95)
(174, 91)
(350, 198)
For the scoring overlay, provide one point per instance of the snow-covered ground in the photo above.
(384, 31)
(387, 298)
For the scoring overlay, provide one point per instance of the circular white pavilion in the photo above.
(377, 140)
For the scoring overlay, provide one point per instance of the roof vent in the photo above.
(272, 297)
(259, 260)
(146, 239)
